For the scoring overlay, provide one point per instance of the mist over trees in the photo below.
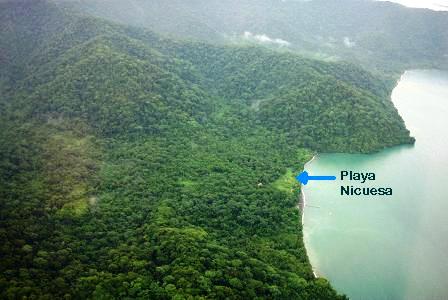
(382, 36)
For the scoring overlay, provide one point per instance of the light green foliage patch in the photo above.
(287, 182)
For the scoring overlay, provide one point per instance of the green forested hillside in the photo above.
(325, 106)
(135, 166)
(378, 34)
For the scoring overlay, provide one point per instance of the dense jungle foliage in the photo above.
(136, 166)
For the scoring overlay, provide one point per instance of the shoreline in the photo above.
(301, 206)
(302, 198)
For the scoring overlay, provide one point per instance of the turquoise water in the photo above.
(388, 247)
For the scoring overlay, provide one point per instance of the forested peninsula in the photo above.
(133, 165)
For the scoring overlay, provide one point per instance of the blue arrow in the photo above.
(304, 177)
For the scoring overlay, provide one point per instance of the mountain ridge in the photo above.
(143, 167)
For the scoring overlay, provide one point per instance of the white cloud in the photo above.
(348, 43)
(263, 38)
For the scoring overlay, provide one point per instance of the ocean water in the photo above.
(388, 247)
